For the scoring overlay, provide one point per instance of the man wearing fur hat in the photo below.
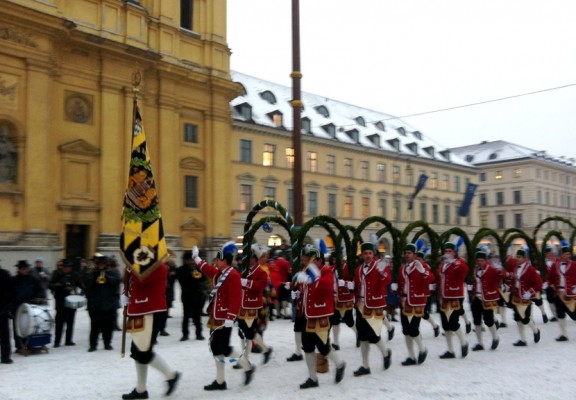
(451, 289)
(485, 296)
(254, 284)
(526, 283)
(414, 287)
(371, 279)
(223, 309)
(317, 286)
(562, 279)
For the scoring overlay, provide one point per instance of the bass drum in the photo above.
(33, 319)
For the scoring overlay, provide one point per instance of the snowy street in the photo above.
(543, 370)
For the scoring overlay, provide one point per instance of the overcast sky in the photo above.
(414, 56)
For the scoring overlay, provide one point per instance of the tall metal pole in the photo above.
(297, 108)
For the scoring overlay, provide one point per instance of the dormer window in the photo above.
(268, 96)
(446, 154)
(330, 129)
(401, 131)
(245, 109)
(380, 126)
(413, 147)
(306, 125)
(374, 139)
(395, 143)
(417, 135)
(360, 121)
(353, 134)
(430, 151)
(493, 156)
(244, 92)
(322, 110)
(276, 117)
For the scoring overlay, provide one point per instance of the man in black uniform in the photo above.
(6, 293)
(193, 284)
(65, 282)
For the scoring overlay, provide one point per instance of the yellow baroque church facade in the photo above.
(66, 95)
(219, 141)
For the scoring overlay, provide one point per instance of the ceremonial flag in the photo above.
(465, 207)
(142, 240)
(421, 183)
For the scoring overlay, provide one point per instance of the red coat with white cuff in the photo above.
(526, 280)
(148, 296)
(487, 282)
(371, 286)
(414, 286)
(318, 296)
(452, 279)
(226, 302)
(256, 282)
(567, 285)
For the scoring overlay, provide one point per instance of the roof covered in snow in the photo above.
(501, 151)
(268, 104)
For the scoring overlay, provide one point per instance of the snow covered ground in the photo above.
(543, 370)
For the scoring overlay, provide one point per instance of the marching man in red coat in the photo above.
(317, 284)
(451, 284)
(371, 280)
(414, 282)
(146, 303)
(344, 301)
(526, 283)
(487, 281)
(223, 309)
(253, 286)
(562, 279)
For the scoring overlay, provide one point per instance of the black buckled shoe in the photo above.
(135, 395)
(537, 336)
(561, 338)
(436, 331)
(391, 333)
(216, 386)
(295, 357)
(469, 327)
(309, 384)
(448, 355)
(172, 383)
(362, 371)
(267, 355)
(478, 347)
(520, 343)
(388, 359)
(422, 356)
(248, 375)
(409, 361)
(495, 343)
(464, 349)
(340, 372)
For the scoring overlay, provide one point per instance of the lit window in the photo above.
(434, 180)
(498, 175)
(365, 207)
(312, 161)
(348, 206)
(289, 157)
(517, 172)
(268, 155)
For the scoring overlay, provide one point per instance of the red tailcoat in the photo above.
(257, 281)
(318, 296)
(414, 286)
(525, 278)
(343, 294)
(148, 296)
(487, 283)
(226, 302)
(373, 285)
(566, 285)
(452, 279)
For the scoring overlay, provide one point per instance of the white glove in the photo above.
(244, 281)
(195, 256)
(470, 287)
(287, 285)
(527, 296)
(545, 285)
(380, 265)
(124, 300)
(419, 267)
(341, 283)
(394, 286)
(350, 285)
(432, 286)
(303, 277)
(228, 323)
(295, 294)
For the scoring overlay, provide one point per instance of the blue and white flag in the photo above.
(421, 183)
(467, 202)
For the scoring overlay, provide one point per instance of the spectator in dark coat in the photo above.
(102, 286)
(6, 295)
(65, 282)
(193, 294)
